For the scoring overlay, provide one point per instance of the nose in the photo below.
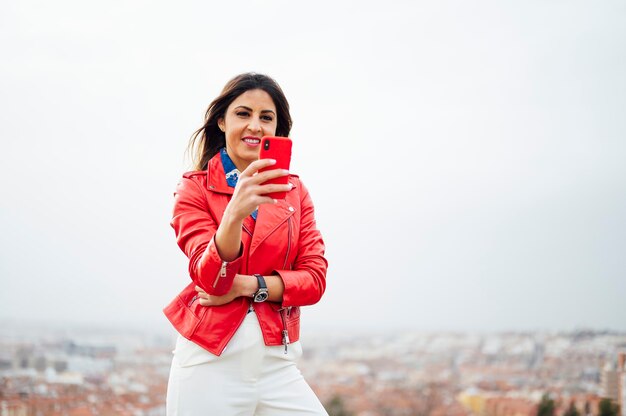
(254, 125)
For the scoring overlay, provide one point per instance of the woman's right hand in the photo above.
(250, 193)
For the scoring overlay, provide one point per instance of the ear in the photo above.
(220, 123)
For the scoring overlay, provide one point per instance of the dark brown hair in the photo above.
(209, 139)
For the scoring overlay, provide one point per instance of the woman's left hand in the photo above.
(211, 300)
(244, 285)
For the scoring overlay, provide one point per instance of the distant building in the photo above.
(613, 381)
(609, 381)
(621, 371)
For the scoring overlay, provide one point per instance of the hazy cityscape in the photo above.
(105, 371)
(465, 159)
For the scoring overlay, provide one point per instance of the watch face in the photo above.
(260, 296)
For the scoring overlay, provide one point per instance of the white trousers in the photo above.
(249, 378)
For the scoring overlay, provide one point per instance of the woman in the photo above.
(253, 262)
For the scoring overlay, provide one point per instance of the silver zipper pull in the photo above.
(222, 273)
(285, 339)
(192, 300)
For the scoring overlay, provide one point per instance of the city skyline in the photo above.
(120, 372)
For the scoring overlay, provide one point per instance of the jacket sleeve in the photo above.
(305, 283)
(195, 230)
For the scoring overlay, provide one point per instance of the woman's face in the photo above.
(248, 118)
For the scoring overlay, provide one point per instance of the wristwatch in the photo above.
(262, 293)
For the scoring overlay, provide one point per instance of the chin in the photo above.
(252, 155)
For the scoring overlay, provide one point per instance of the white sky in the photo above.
(466, 159)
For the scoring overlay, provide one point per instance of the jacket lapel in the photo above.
(271, 216)
(216, 182)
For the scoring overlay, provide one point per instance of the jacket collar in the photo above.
(216, 178)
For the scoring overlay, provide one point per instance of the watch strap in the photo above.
(260, 281)
(262, 293)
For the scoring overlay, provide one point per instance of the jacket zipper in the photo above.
(286, 311)
(221, 273)
(288, 242)
(285, 332)
(192, 300)
(250, 234)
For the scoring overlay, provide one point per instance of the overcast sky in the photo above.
(466, 159)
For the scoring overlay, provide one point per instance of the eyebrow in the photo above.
(249, 109)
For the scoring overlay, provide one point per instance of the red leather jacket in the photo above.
(285, 241)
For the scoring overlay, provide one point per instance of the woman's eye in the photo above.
(242, 113)
(267, 118)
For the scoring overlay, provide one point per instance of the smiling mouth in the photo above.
(252, 140)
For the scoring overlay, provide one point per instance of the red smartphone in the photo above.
(279, 149)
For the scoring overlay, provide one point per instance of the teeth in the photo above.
(252, 141)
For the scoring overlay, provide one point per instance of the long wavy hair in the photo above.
(209, 139)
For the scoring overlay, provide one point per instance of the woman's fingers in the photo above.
(255, 166)
(263, 177)
(201, 293)
(261, 192)
(269, 174)
(271, 188)
(252, 171)
(256, 186)
(210, 300)
(251, 190)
